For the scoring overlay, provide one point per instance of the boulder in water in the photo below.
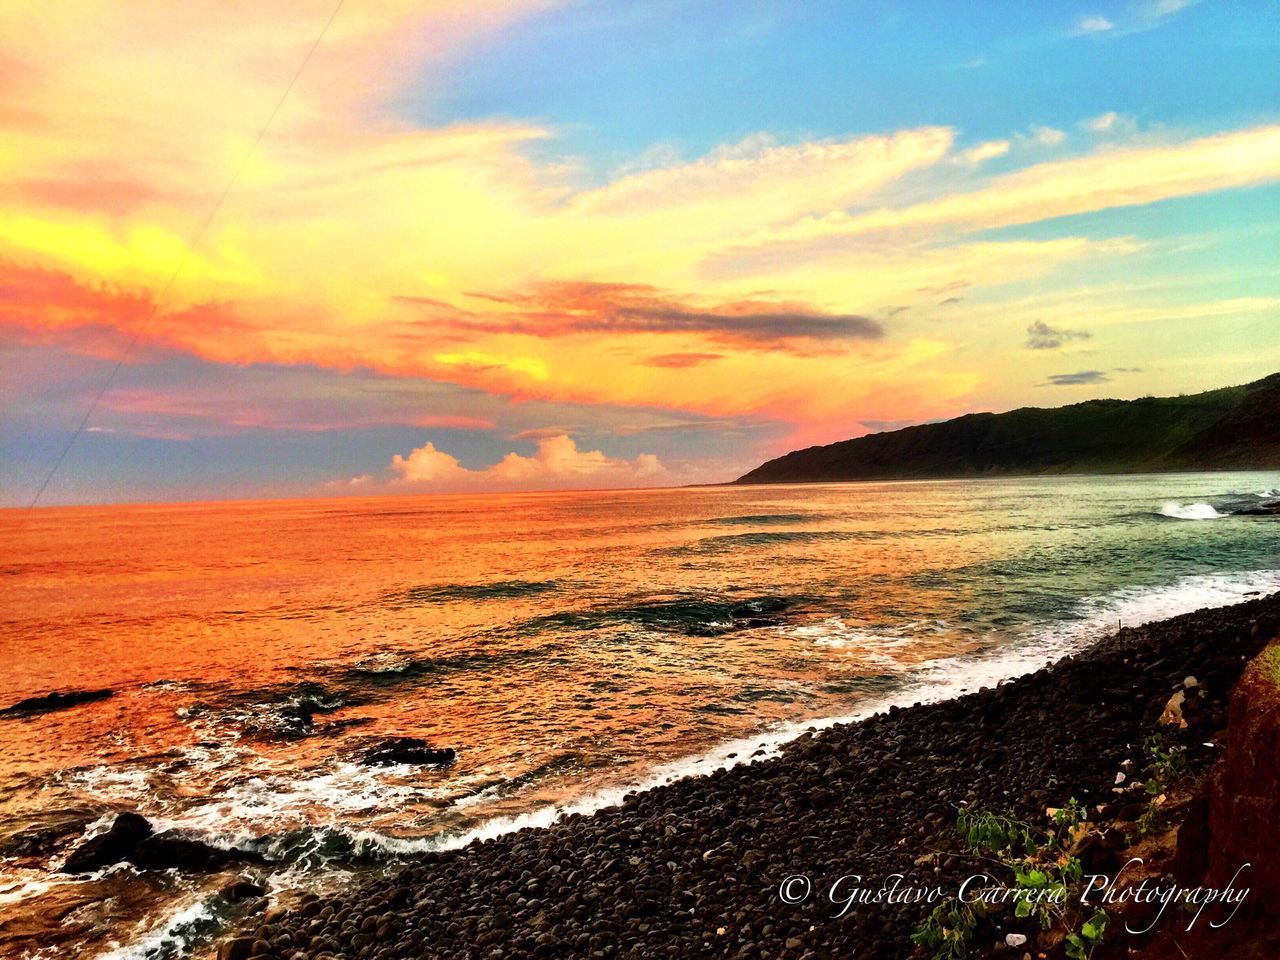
(1269, 509)
(242, 889)
(407, 750)
(128, 830)
(43, 831)
(56, 700)
(132, 838)
(172, 851)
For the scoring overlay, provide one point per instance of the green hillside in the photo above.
(1231, 428)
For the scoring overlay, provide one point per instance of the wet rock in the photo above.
(50, 702)
(172, 851)
(407, 750)
(43, 832)
(240, 890)
(1269, 509)
(297, 720)
(112, 846)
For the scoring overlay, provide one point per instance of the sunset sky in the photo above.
(495, 246)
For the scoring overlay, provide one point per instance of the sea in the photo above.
(568, 646)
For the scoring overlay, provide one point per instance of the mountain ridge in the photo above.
(1235, 427)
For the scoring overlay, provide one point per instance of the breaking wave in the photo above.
(1191, 511)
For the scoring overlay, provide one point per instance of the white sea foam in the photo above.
(239, 812)
(17, 886)
(1190, 511)
(938, 680)
(180, 930)
(838, 633)
(277, 801)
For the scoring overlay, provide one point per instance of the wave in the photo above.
(729, 542)
(186, 928)
(1190, 511)
(495, 590)
(284, 712)
(765, 519)
(941, 679)
(695, 616)
(266, 800)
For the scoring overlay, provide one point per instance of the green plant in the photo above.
(1070, 816)
(1273, 658)
(1080, 945)
(1041, 870)
(948, 931)
(1166, 763)
(1151, 819)
(986, 832)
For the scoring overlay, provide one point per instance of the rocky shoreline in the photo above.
(694, 868)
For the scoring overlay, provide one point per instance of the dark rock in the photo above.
(242, 889)
(54, 701)
(172, 851)
(297, 720)
(237, 948)
(43, 832)
(125, 833)
(407, 750)
(1269, 509)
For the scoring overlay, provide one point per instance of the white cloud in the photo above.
(557, 463)
(1047, 136)
(1102, 122)
(1110, 122)
(1145, 16)
(1166, 8)
(1094, 25)
(426, 464)
(351, 483)
(1105, 179)
(986, 151)
(757, 180)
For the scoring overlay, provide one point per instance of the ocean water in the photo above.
(567, 646)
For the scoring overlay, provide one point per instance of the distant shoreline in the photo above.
(1226, 429)
(993, 477)
(724, 484)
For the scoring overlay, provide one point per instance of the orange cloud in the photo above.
(562, 309)
(763, 278)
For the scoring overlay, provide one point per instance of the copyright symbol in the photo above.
(795, 889)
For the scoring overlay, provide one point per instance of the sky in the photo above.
(534, 245)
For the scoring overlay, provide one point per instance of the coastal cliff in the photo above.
(1231, 428)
